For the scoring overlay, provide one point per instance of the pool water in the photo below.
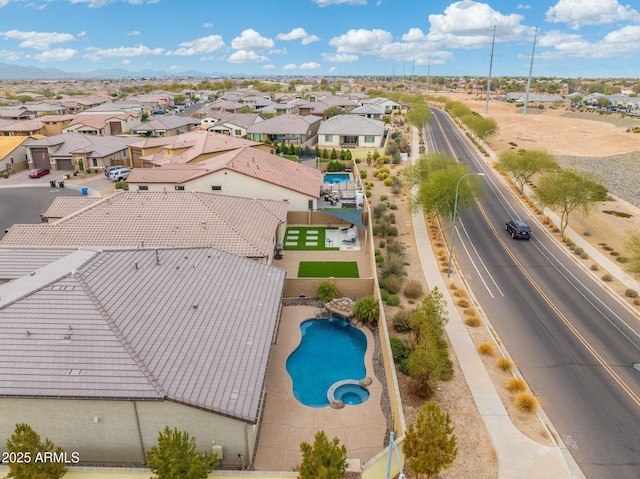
(351, 394)
(330, 350)
(334, 178)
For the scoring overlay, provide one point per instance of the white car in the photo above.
(119, 174)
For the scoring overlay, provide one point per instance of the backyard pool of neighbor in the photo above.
(331, 351)
(337, 178)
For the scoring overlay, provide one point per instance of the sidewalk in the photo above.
(519, 457)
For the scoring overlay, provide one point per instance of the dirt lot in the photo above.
(476, 457)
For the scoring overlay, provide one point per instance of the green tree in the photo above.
(324, 459)
(179, 99)
(523, 164)
(26, 442)
(633, 244)
(436, 176)
(292, 149)
(332, 111)
(334, 154)
(419, 115)
(569, 191)
(430, 444)
(366, 309)
(325, 153)
(603, 102)
(175, 457)
(482, 127)
(327, 291)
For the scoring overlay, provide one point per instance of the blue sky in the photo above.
(576, 38)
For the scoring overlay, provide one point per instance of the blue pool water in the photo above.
(334, 178)
(330, 350)
(351, 394)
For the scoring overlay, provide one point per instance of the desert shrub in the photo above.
(622, 259)
(382, 243)
(463, 303)
(392, 231)
(487, 349)
(526, 403)
(367, 194)
(399, 349)
(394, 264)
(472, 321)
(607, 277)
(384, 197)
(505, 364)
(460, 293)
(401, 320)
(388, 181)
(392, 218)
(393, 283)
(366, 309)
(395, 247)
(515, 385)
(578, 251)
(584, 256)
(327, 291)
(631, 293)
(393, 300)
(636, 301)
(595, 267)
(413, 289)
(393, 206)
(396, 189)
(379, 209)
(363, 174)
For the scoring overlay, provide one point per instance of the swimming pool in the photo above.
(334, 178)
(330, 350)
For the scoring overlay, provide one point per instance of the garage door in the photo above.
(64, 164)
(40, 158)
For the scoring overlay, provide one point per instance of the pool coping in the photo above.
(331, 392)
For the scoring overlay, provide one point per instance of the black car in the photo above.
(518, 229)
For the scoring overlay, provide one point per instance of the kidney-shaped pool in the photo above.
(331, 350)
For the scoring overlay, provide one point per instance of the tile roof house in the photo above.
(231, 124)
(23, 128)
(103, 124)
(13, 152)
(172, 219)
(16, 113)
(54, 124)
(16, 261)
(387, 105)
(351, 131)
(245, 172)
(65, 205)
(192, 147)
(168, 126)
(369, 111)
(63, 152)
(292, 129)
(177, 337)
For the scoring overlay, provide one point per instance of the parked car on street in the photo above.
(39, 172)
(119, 174)
(518, 229)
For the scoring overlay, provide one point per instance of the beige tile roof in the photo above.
(64, 206)
(199, 144)
(134, 219)
(98, 120)
(246, 161)
(17, 261)
(194, 326)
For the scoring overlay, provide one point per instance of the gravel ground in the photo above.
(619, 173)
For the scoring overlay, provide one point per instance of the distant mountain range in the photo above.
(17, 72)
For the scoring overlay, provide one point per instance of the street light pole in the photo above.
(453, 226)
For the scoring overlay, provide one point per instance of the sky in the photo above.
(574, 38)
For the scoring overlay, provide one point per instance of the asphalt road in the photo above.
(574, 343)
(22, 205)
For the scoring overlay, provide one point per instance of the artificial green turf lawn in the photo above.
(328, 269)
(302, 235)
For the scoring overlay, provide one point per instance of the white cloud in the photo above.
(298, 34)
(310, 66)
(82, 34)
(4, 3)
(268, 67)
(523, 7)
(251, 40)
(207, 25)
(126, 61)
(102, 3)
(173, 67)
(208, 44)
(9, 56)
(578, 13)
(339, 57)
(96, 54)
(361, 41)
(326, 3)
(134, 33)
(37, 40)
(333, 69)
(289, 66)
(245, 56)
(56, 55)
(469, 24)
(621, 43)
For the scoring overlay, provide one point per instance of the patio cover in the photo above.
(350, 215)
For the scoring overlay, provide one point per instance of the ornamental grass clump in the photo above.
(515, 385)
(526, 403)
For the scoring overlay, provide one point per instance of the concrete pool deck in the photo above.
(286, 422)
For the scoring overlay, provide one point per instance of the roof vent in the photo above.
(74, 372)
(234, 396)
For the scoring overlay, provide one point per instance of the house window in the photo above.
(369, 139)
(216, 188)
(328, 138)
(94, 162)
(179, 187)
(143, 188)
(237, 132)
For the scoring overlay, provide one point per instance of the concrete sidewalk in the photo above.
(519, 457)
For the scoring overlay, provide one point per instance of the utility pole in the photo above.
(526, 95)
(486, 105)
